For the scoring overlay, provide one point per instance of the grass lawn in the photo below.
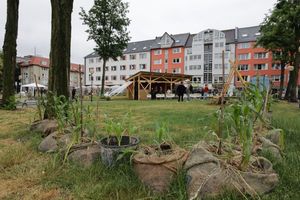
(27, 174)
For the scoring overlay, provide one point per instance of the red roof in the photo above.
(44, 62)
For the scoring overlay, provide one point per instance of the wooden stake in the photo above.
(81, 105)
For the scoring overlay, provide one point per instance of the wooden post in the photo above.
(81, 106)
(221, 121)
(139, 85)
(133, 89)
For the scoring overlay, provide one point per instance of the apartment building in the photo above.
(199, 55)
(203, 55)
(167, 53)
(136, 57)
(255, 60)
(31, 66)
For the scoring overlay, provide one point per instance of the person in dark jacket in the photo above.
(180, 91)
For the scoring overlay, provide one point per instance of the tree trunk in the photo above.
(103, 78)
(10, 50)
(291, 94)
(281, 80)
(59, 72)
(60, 47)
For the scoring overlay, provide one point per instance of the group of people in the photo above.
(188, 89)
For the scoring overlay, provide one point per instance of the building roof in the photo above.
(42, 62)
(229, 35)
(157, 74)
(180, 40)
(248, 34)
(132, 47)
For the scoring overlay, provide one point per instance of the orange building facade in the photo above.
(168, 53)
(256, 61)
(169, 60)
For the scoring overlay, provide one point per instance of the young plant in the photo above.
(114, 128)
(242, 119)
(61, 106)
(119, 128)
(162, 133)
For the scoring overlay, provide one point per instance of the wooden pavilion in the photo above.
(145, 83)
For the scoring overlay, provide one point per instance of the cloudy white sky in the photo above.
(149, 18)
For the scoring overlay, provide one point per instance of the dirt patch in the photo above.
(28, 189)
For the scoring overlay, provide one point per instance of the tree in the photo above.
(59, 73)
(1, 71)
(10, 50)
(281, 31)
(107, 22)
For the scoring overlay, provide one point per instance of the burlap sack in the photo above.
(157, 170)
(207, 177)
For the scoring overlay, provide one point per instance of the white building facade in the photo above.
(136, 58)
(203, 56)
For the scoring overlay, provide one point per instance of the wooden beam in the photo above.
(139, 83)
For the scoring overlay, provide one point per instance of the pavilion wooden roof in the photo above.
(159, 76)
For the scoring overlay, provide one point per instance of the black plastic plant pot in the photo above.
(110, 149)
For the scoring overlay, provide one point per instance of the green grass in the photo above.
(27, 174)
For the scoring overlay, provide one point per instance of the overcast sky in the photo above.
(149, 18)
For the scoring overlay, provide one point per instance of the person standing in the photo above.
(73, 93)
(188, 91)
(205, 90)
(180, 91)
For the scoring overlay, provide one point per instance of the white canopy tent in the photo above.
(30, 88)
(32, 85)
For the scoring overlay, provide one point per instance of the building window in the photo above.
(91, 60)
(218, 66)
(176, 60)
(218, 55)
(98, 78)
(143, 55)
(176, 50)
(261, 55)
(122, 67)
(106, 68)
(260, 66)
(132, 57)
(176, 70)
(245, 45)
(157, 70)
(91, 69)
(106, 78)
(195, 57)
(123, 57)
(218, 79)
(43, 62)
(245, 56)
(197, 79)
(227, 47)
(276, 66)
(113, 78)
(122, 77)
(142, 66)
(113, 68)
(98, 69)
(26, 75)
(189, 51)
(275, 78)
(219, 44)
(132, 67)
(157, 62)
(157, 52)
(245, 78)
(194, 67)
(243, 67)
(98, 60)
